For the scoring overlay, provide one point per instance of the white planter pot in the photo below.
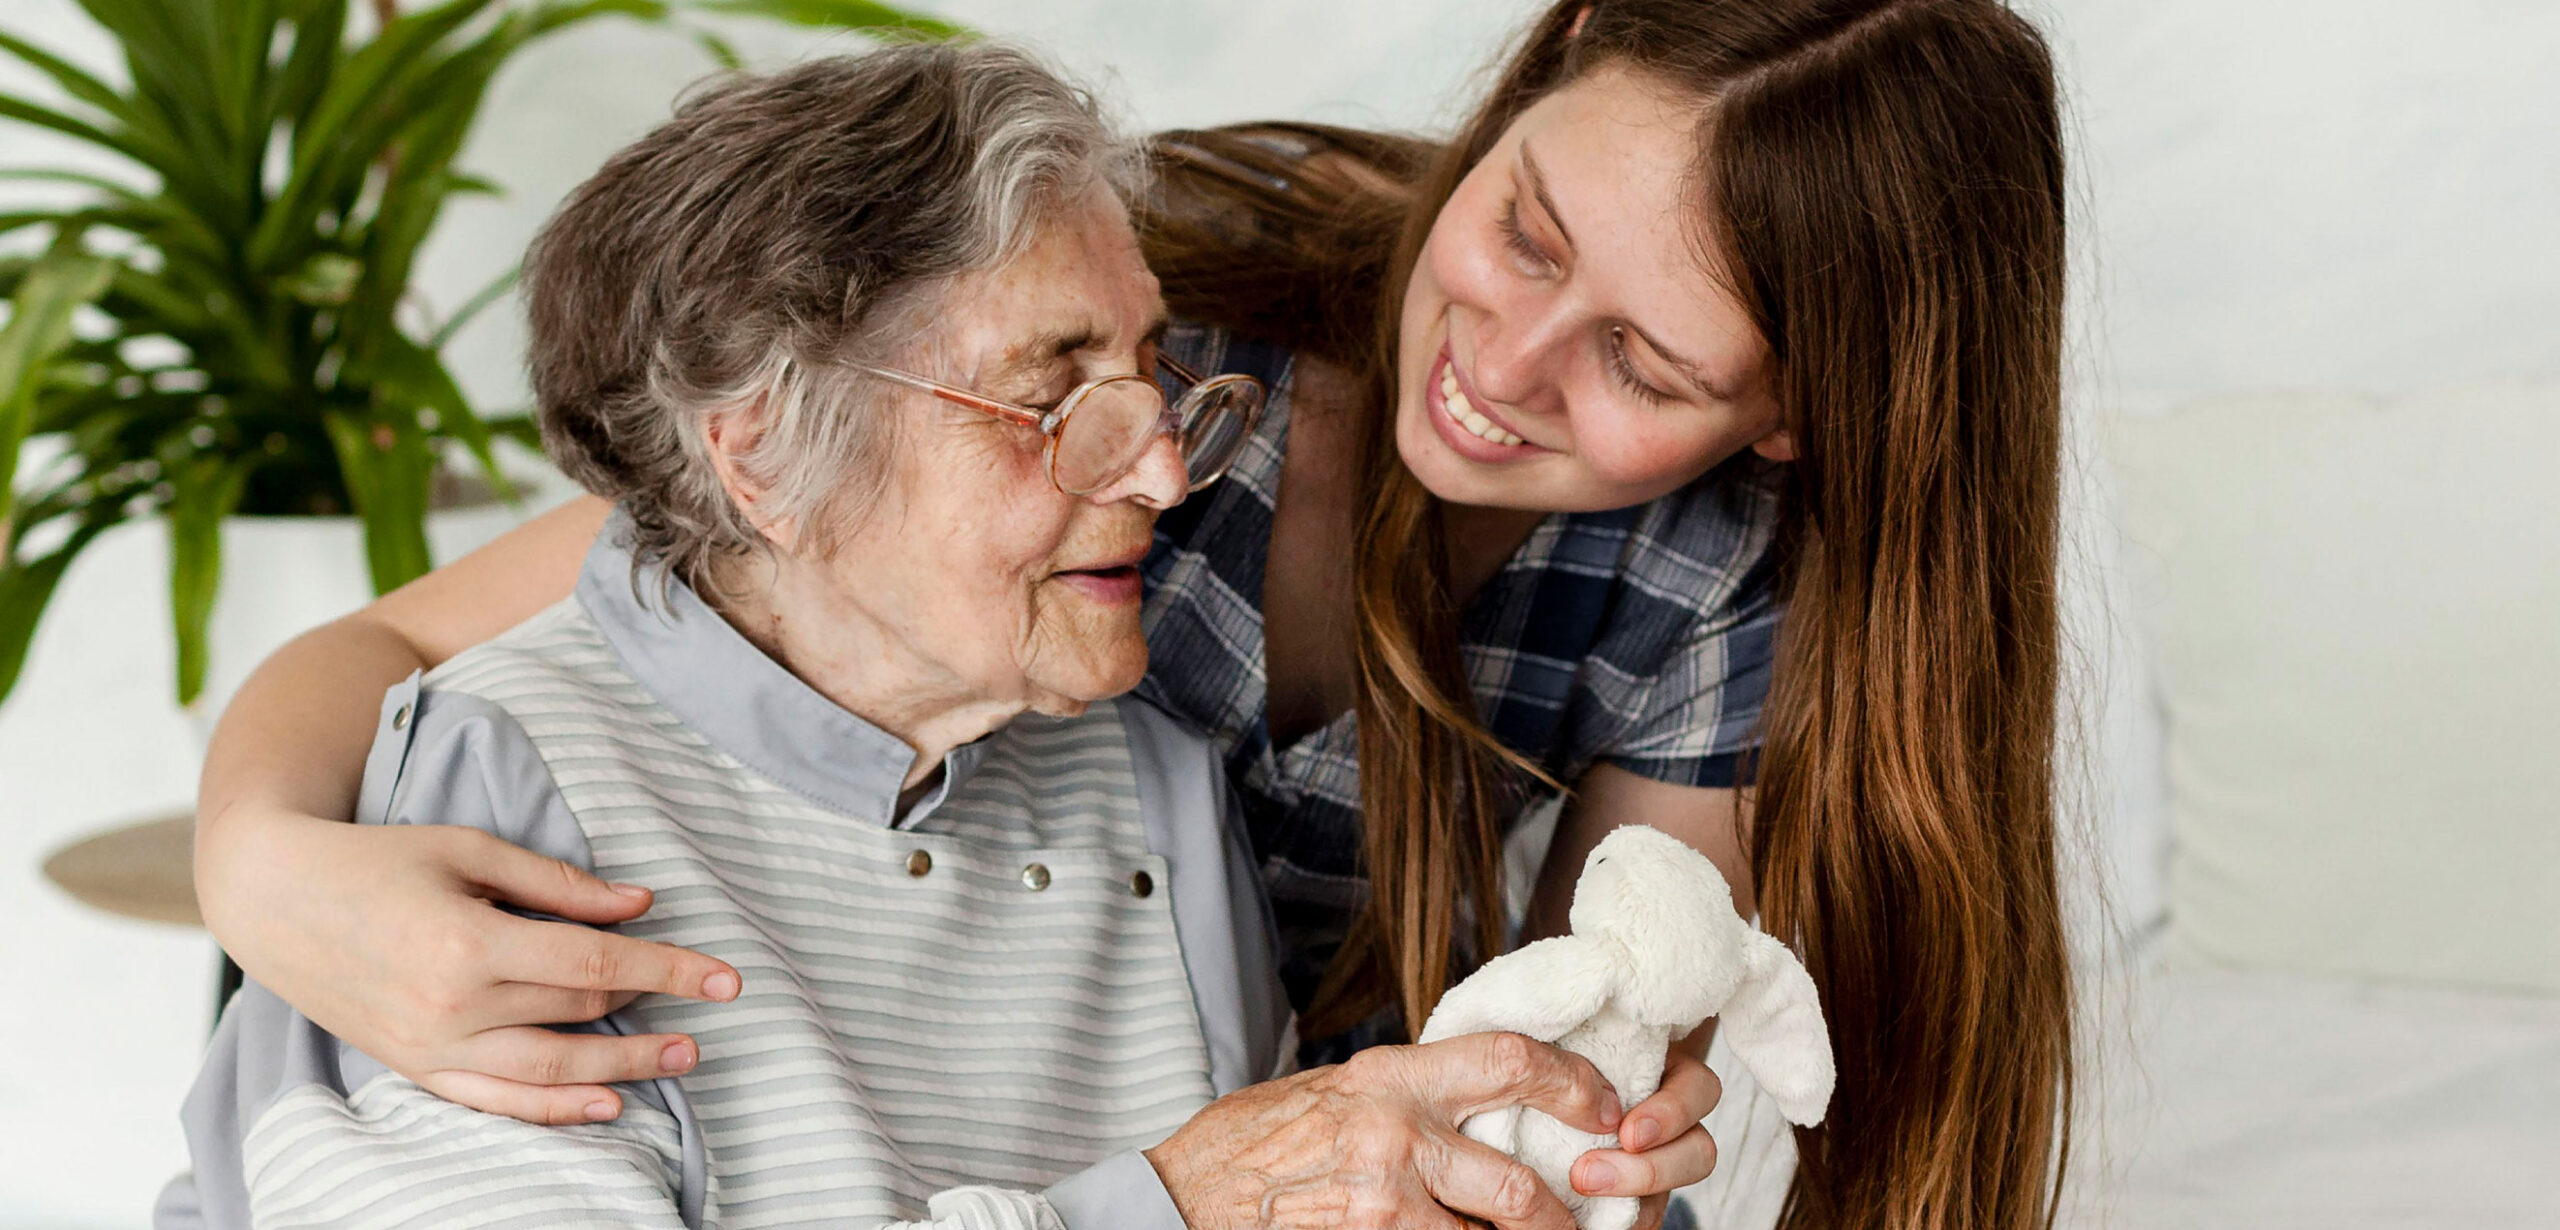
(282, 576)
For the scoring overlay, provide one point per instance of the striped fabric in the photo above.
(1638, 636)
(903, 1035)
(393, 1155)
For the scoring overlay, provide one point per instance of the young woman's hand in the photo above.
(1374, 1142)
(1662, 1144)
(389, 938)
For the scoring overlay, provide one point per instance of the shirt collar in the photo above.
(718, 683)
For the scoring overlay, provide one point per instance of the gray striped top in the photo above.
(969, 1016)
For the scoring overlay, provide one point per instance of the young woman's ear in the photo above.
(731, 435)
(1779, 445)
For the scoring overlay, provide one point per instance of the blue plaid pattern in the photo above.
(1639, 636)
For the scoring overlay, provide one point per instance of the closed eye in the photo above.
(1625, 370)
(1516, 237)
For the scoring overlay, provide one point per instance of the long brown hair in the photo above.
(1887, 186)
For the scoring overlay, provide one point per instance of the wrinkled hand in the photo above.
(1373, 1143)
(1663, 1146)
(387, 937)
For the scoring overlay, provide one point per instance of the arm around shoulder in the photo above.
(284, 1112)
(291, 746)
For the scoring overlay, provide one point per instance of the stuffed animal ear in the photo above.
(1774, 1022)
(1542, 990)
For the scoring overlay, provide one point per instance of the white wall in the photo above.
(2350, 194)
(2283, 192)
(2324, 193)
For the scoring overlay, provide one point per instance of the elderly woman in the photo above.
(798, 335)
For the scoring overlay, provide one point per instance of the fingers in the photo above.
(553, 1105)
(1649, 1212)
(1689, 1091)
(1687, 1158)
(1471, 1179)
(582, 958)
(1487, 1071)
(531, 881)
(531, 1055)
(530, 1003)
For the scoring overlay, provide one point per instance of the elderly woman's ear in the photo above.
(729, 435)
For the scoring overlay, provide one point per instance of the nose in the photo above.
(1157, 481)
(1514, 349)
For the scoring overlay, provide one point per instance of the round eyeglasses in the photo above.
(1100, 430)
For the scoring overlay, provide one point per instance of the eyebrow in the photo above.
(1696, 373)
(1538, 189)
(1044, 349)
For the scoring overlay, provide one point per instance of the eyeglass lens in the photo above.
(1106, 432)
(1114, 422)
(1214, 429)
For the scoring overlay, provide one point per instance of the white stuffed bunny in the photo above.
(1656, 949)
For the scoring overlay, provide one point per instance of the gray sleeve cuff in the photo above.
(1120, 1192)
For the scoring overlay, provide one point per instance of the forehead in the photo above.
(1620, 157)
(1082, 276)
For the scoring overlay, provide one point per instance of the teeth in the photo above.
(1465, 412)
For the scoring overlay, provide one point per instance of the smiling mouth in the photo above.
(1110, 585)
(1461, 419)
(1454, 399)
(1115, 572)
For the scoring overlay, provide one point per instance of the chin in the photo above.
(1068, 687)
(1448, 477)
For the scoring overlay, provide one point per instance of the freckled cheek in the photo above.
(1653, 453)
(996, 543)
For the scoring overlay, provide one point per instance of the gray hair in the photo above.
(775, 230)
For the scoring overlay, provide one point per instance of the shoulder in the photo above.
(1161, 743)
(560, 644)
(449, 748)
(1708, 542)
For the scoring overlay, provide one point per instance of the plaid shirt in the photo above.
(1640, 636)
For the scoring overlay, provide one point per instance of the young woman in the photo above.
(1716, 308)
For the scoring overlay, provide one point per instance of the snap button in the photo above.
(1142, 884)
(1035, 877)
(400, 718)
(919, 862)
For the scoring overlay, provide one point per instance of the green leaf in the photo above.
(473, 185)
(24, 590)
(122, 192)
(722, 52)
(409, 377)
(73, 80)
(244, 34)
(413, 195)
(161, 220)
(389, 467)
(172, 60)
(834, 14)
(66, 279)
(472, 307)
(171, 102)
(363, 105)
(518, 427)
(208, 490)
(13, 108)
(319, 29)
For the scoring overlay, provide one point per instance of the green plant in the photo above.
(230, 328)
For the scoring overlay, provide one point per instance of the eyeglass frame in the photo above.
(1051, 422)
